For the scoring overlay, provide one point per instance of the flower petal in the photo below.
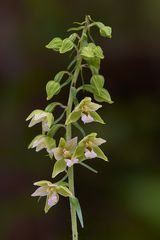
(99, 141)
(58, 153)
(71, 144)
(53, 199)
(90, 154)
(93, 106)
(86, 118)
(71, 162)
(41, 191)
(39, 116)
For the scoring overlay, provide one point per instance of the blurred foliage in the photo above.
(123, 202)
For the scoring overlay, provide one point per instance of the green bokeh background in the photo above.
(123, 201)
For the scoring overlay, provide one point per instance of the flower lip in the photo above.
(90, 154)
(86, 118)
(71, 162)
(53, 199)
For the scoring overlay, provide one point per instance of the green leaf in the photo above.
(79, 151)
(73, 117)
(52, 106)
(98, 82)
(58, 77)
(62, 142)
(73, 37)
(76, 204)
(88, 52)
(64, 191)
(59, 167)
(55, 44)
(96, 117)
(50, 119)
(54, 129)
(94, 65)
(73, 92)
(103, 96)
(98, 52)
(92, 51)
(52, 88)
(88, 88)
(100, 153)
(67, 45)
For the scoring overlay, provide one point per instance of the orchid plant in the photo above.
(70, 151)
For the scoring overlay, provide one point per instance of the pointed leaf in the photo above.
(87, 52)
(98, 52)
(88, 88)
(73, 37)
(58, 77)
(77, 206)
(52, 88)
(52, 106)
(73, 117)
(54, 129)
(104, 96)
(55, 44)
(97, 81)
(94, 64)
(59, 167)
(67, 45)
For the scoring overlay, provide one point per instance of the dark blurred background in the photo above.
(123, 201)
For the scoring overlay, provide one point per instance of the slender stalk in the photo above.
(69, 136)
(71, 169)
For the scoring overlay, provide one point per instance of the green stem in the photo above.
(69, 135)
(71, 170)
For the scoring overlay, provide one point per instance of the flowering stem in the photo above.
(69, 133)
(71, 169)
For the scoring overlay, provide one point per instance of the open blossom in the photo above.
(89, 148)
(51, 192)
(86, 110)
(65, 151)
(43, 142)
(38, 116)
